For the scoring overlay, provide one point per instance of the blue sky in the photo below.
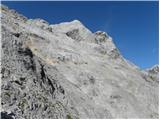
(132, 25)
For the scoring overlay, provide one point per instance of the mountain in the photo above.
(66, 71)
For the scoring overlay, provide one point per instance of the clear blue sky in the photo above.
(132, 25)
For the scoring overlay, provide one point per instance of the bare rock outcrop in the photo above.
(66, 71)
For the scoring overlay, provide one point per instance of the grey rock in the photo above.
(66, 71)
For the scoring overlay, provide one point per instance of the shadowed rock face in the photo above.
(66, 71)
(5, 115)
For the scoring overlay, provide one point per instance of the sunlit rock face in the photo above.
(66, 71)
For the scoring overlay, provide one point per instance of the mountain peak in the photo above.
(154, 69)
(75, 22)
(66, 71)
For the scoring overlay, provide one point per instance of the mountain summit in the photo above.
(66, 71)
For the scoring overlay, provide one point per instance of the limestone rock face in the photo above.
(152, 73)
(39, 23)
(154, 69)
(75, 30)
(66, 71)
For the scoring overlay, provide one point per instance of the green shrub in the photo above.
(69, 116)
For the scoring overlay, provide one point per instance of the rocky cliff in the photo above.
(66, 71)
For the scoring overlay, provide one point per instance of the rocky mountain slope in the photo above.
(66, 71)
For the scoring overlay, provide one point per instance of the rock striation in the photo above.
(66, 71)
